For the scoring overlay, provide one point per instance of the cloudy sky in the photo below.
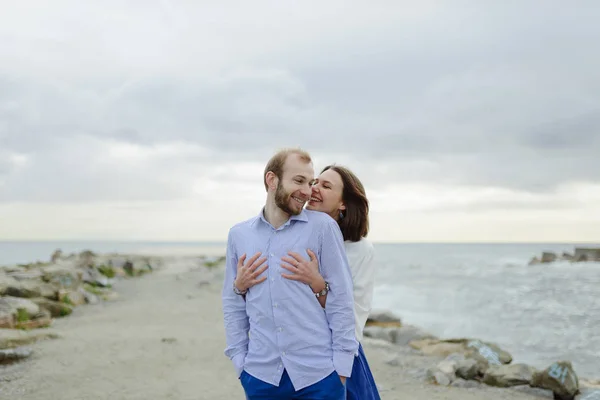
(466, 120)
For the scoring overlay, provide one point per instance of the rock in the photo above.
(11, 355)
(42, 320)
(383, 318)
(62, 276)
(435, 347)
(438, 377)
(407, 333)
(55, 308)
(6, 282)
(56, 255)
(90, 298)
(11, 338)
(31, 288)
(490, 352)
(468, 369)
(560, 378)
(508, 375)
(548, 257)
(380, 332)
(483, 353)
(86, 258)
(169, 340)
(71, 297)
(586, 254)
(14, 304)
(567, 257)
(535, 261)
(7, 320)
(465, 384)
(443, 373)
(128, 268)
(94, 277)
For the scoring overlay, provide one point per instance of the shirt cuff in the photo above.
(343, 362)
(238, 363)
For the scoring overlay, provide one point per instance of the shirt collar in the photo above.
(300, 217)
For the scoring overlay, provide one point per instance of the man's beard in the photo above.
(282, 200)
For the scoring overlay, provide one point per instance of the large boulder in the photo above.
(487, 353)
(586, 254)
(62, 276)
(72, 297)
(31, 288)
(508, 375)
(6, 282)
(12, 355)
(383, 318)
(25, 314)
(468, 369)
(95, 277)
(548, 257)
(560, 378)
(55, 308)
(56, 255)
(444, 373)
(16, 304)
(11, 338)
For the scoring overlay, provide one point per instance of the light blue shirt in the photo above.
(281, 325)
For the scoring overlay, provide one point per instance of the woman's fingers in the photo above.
(257, 263)
(290, 268)
(259, 280)
(241, 261)
(289, 260)
(292, 277)
(253, 258)
(311, 254)
(296, 256)
(259, 271)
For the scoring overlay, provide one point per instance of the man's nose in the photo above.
(307, 190)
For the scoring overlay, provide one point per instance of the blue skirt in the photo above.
(361, 385)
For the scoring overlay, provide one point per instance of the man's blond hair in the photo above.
(276, 162)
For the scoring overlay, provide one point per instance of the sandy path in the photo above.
(115, 350)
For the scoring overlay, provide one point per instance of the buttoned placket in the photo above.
(272, 273)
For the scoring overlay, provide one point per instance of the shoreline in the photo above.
(168, 324)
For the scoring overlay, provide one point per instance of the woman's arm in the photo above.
(363, 271)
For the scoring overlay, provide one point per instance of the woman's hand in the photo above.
(303, 271)
(247, 273)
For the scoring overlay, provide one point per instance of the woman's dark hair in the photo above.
(355, 222)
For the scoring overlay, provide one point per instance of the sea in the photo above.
(539, 313)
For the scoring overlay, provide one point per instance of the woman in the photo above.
(339, 193)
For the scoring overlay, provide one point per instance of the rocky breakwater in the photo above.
(33, 295)
(470, 363)
(581, 254)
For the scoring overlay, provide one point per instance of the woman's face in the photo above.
(326, 194)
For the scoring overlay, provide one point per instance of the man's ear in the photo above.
(272, 180)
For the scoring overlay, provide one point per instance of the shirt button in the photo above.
(275, 305)
(281, 330)
(272, 279)
(283, 354)
(272, 255)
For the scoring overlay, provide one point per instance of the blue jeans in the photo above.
(329, 388)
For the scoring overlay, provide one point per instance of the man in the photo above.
(282, 343)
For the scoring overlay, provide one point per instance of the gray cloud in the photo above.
(498, 95)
